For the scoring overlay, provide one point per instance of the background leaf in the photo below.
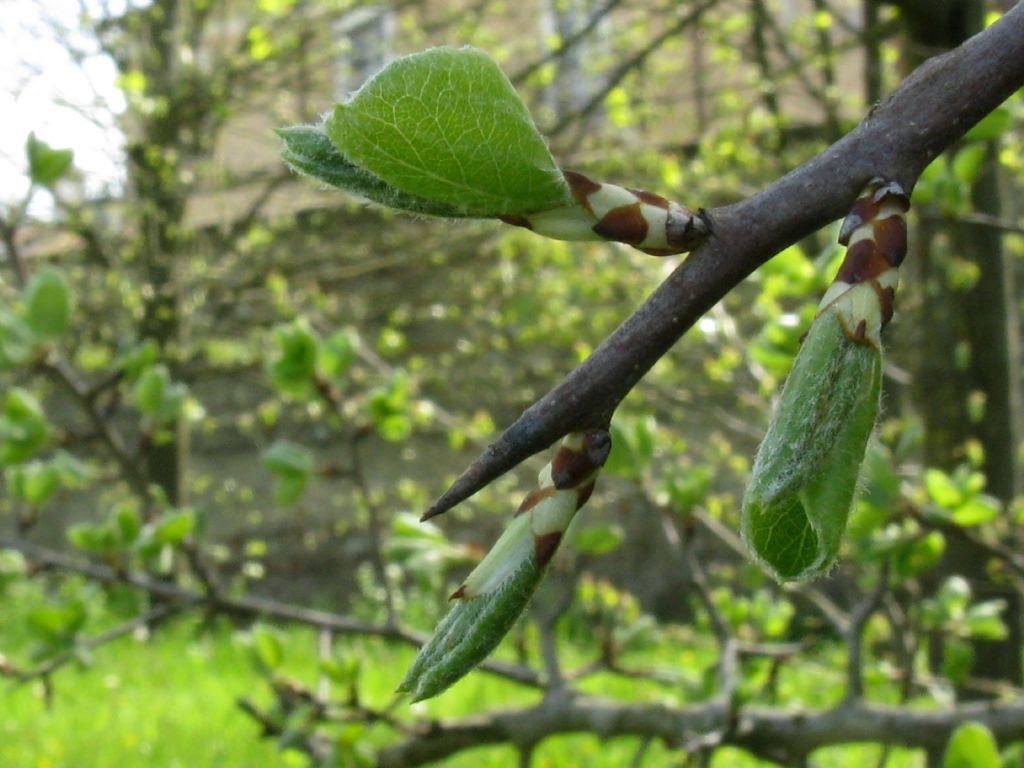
(972, 746)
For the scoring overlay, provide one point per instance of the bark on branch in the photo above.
(923, 117)
(783, 736)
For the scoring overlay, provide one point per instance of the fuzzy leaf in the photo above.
(802, 485)
(308, 151)
(470, 631)
(446, 125)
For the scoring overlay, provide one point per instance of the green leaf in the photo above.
(803, 482)
(470, 631)
(16, 341)
(45, 164)
(172, 527)
(338, 352)
(309, 151)
(919, 554)
(97, 538)
(267, 651)
(344, 671)
(446, 125)
(388, 408)
(58, 621)
(976, 511)
(23, 427)
(288, 459)
(47, 303)
(293, 366)
(972, 745)
(985, 620)
(292, 465)
(957, 658)
(686, 488)
(941, 489)
(597, 539)
(139, 358)
(33, 482)
(157, 396)
(632, 445)
(13, 567)
(128, 523)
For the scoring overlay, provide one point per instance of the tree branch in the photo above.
(924, 116)
(784, 736)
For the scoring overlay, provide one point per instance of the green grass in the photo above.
(169, 700)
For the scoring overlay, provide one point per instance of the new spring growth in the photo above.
(444, 133)
(803, 482)
(495, 594)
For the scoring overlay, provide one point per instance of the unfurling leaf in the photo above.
(444, 133)
(795, 508)
(447, 125)
(803, 482)
(308, 150)
(498, 590)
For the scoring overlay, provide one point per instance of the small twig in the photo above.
(50, 666)
(641, 751)
(1013, 560)
(634, 62)
(855, 634)
(62, 372)
(906, 643)
(248, 606)
(9, 224)
(332, 399)
(317, 747)
(566, 44)
(824, 605)
(977, 219)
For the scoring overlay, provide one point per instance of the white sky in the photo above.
(69, 104)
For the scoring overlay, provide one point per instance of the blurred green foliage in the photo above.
(322, 369)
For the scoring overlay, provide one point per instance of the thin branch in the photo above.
(62, 372)
(821, 602)
(978, 219)
(50, 666)
(634, 62)
(567, 44)
(925, 115)
(9, 223)
(855, 634)
(252, 607)
(1013, 560)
